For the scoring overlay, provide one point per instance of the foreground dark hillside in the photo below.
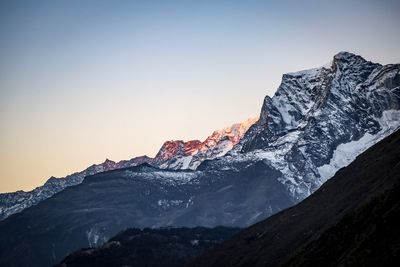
(352, 220)
(370, 236)
(165, 247)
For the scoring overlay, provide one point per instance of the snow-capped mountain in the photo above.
(317, 122)
(320, 119)
(189, 155)
(173, 154)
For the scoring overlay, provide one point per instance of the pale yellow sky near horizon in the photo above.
(80, 82)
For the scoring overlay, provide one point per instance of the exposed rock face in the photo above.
(189, 155)
(319, 120)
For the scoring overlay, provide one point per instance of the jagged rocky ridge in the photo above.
(317, 122)
(172, 155)
(11, 203)
(180, 155)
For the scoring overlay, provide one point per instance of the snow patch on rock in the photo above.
(346, 153)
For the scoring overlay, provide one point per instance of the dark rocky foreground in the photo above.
(166, 247)
(352, 220)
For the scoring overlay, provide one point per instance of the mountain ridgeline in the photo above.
(317, 122)
(172, 155)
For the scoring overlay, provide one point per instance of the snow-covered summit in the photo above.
(190, 154)
(320, 119)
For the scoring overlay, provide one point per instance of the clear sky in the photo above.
(81, 81)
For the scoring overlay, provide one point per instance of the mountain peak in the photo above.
(108, 161)
(188, 155)
(234, 132)
(170, 148)
(343, 59)
(344, 54)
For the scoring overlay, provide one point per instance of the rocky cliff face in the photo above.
(189, 155)
(319, 120)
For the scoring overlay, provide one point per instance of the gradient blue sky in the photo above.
(81, 81)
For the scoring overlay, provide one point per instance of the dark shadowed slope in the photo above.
(166, 247)
(352, 218)
(90, 213)
(370, 236)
